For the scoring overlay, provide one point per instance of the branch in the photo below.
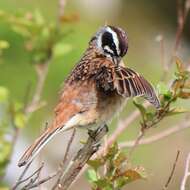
(186, 174)
(33, 180)
(38, 183)
(179, 127)
(172, 172)
(41, 71)
(122, 126)
(182, 16)
(29, 178)
(81, 158)
(62, 164)
(61, 7)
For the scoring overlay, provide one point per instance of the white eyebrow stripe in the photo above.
(108, 49)
(115, 39)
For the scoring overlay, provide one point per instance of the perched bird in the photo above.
(96, 88)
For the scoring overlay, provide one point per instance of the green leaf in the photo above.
(21, 30)
(95, 164)
(61, 49)
(162, 88)
(150, 116)
(5, 150)
(4, 44)
(39, 57)
(38, 17)
(17, 106)
(104, 184)
(4, 93)
(91, 175)
(20, 120)
(141, 109)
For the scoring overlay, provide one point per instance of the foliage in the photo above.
(118, 170)
(168, 95)
(11, 119)
(43, 40)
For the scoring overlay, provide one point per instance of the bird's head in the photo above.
(111, 42)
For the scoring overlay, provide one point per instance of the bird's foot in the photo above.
(94, 133)
(96, 146)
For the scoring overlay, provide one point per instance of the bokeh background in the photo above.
(144, 21)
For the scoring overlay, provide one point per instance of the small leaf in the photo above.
(38, 17)
(4, 93)
(141, 109)
(119, 159)
(61, 49)
(132, 175)
(150, 116)
(164, 91)
(20, 120)
(17, 106)
(179, 65)
(113, 150)
(95, 164)
(4, 44)
(21, 30)
(104, 184)
(162, 88)
(91, 175)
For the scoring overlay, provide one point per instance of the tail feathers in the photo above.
(34, 149)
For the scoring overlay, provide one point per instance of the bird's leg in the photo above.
(93, 133)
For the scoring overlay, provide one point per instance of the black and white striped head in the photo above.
(112, 42)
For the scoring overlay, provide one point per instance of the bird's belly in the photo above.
(108, 107)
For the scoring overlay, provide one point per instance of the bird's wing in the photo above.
(126, 82)
(129, 83)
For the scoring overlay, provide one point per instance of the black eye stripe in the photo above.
(107, 40)
(123, 41)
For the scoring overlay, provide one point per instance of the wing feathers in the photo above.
(130, 84)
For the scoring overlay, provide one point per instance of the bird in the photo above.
(96, 88)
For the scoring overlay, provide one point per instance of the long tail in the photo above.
(39, 143)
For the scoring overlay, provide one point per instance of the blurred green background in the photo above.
(143, 20)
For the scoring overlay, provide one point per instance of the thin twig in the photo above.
(21, 180)
(136, 142)
(62, 164)
(42, 71)
(163, 62)
(159, 136)
(40, 182)
(61, 12)
(81, 158)
(182, 16)
(186, 173)
(122, 126)
(172, 172)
